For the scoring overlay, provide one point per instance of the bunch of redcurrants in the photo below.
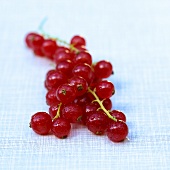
(77, 90)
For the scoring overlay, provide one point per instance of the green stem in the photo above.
(58, 111)
(40, 28)
(101, 105)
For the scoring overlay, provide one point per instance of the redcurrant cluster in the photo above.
(77, 90)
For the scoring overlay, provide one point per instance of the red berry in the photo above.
(29, 38)
(83, 70)
(78, 40)
(72, 112)
(107, 103)
(87, 110)
(55, 79)
(49, 47)
(38, 52)
(66, 93)
(83, 57)
(41, 123)
(80, 84)
(65, 67)
(62, 55)
(61, 128)
(82, 100)
(117, 131)
(105, 89)
(53, 110)
(118, 115)
(97, 122)
(37, 41)
(51, 98)
(103, 69)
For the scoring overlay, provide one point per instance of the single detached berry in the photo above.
(41, 123)
(61, 128)
(117, 131)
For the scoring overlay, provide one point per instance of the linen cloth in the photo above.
(134, 36)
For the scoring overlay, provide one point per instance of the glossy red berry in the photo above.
(61, 128)
(38, 52)
(72, 112)
(62, 55)
(107, 103)
(49, 47)
(65, 67)
(103, 69)
(83, 70)
(83, 57)
(118, 115)
(117, 131)
(37, 42)
(78, 40)
(51, 98)
(41, 123)
(29, 38)
(55, 79)
(80, 84)
(97, 122)
(105, 89)
(66, 93)
(87, 110)
(82, 100)
(53, 110)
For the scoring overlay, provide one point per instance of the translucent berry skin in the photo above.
(87, 110)
(55, 79)
(38, 52)
(97, 122)
(83, 57)
(80, 84)
(48, 48)
(62, 55)
(78, 40)
(53, 110)
(105, 89)
(51, 98)
(65, 67)
(72, 112)
(41, 123)
(29, 37)
(66, 93)
(118, 115)
(103, 69)
(61, 128)
(83, 70)
(117, 131)
(82, 100)
(37, 42)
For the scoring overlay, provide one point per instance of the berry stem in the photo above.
(101, 104)
(58, 112)
(41, 29)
